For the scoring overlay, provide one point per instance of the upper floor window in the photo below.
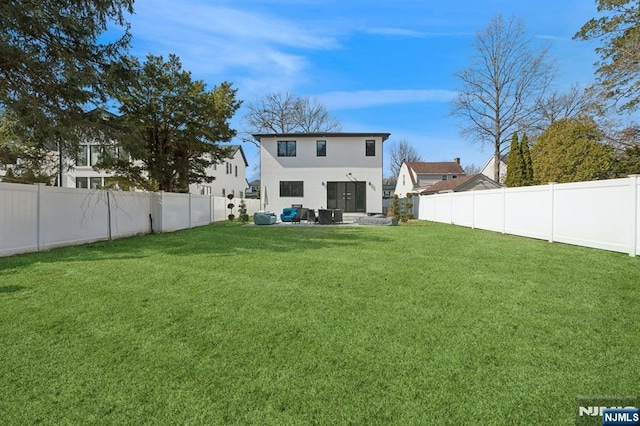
(83, 153)
(236, 168)
(370, 148)
(445, 177)
(286, 148)
(321, 148)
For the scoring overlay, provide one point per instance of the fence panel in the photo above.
(130, 213)
(599, 214)
(200, 210)
(489, 210)
(594, 214)
(528, 212)
(72, 216)
(18, 218)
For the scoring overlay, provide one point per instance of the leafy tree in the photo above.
(55, 61)
(570, 150)
(515, 168)
(171, 125)
(629, 162)
(399, 152)
(618, 70)
(499, 89)
(286, 113)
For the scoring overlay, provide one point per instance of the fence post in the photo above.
(211, 208)
(633, 181)
(39, 222)
(451, 208)
(190, 225)
(473, 209)
(504, 209)
(552, 194)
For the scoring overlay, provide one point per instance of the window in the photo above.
(445, 177)
(236, 171)
(95, 154)
(286, 148)
(83, 152)
(321, 148)
(95, 182)
(224, 192)
(82, 182)
(370, 148)
(292, 188)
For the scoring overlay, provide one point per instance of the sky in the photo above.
(377, 65)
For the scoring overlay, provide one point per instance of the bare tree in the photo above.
(472, 169)
(570, 104)
(499, 89)
(286, 113)
(399, 152)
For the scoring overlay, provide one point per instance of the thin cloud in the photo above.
(373, 98)
(407, 33)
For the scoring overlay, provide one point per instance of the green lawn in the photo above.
(230, 324)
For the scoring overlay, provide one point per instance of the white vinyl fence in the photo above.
(38, 217)
(600, 214)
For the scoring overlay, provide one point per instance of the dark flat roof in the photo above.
(384, 136)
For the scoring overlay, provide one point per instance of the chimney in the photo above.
(457, 160)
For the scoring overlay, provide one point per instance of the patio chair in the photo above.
(288, 214)
(337, 215)
(311, 216)
(325, 217)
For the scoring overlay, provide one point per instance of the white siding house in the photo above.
(322, 171)
(415, 177)
(230, 177)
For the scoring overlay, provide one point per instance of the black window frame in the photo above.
(291, 188)
(286, 148)
(321, 148)
(370, 148)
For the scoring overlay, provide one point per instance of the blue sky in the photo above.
(378, 66)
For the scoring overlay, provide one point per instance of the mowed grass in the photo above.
(230, 324)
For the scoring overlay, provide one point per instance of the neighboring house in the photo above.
(322, 171)
(488, 168)
(464, 183)
(230, 176)
(415, 177)
(254, 189)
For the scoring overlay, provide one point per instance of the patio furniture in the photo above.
(325, 216)
(288, 213)
(264, 218)
(337, 215)
(311, 216)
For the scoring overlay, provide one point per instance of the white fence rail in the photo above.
(38, 217)
(600, 214)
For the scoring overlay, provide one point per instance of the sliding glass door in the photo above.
(347, 196)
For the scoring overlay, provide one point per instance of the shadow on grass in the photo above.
(216, 240)
(11, 288)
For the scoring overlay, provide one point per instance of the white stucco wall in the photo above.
(345, 161)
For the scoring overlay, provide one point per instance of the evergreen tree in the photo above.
(172, 125)
(527, 176)
(515, 164)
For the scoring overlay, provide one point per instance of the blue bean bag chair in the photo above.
(288, 214)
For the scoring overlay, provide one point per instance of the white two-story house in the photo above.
(322, 171)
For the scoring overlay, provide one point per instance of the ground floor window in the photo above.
(348, 196)
(294, 188)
